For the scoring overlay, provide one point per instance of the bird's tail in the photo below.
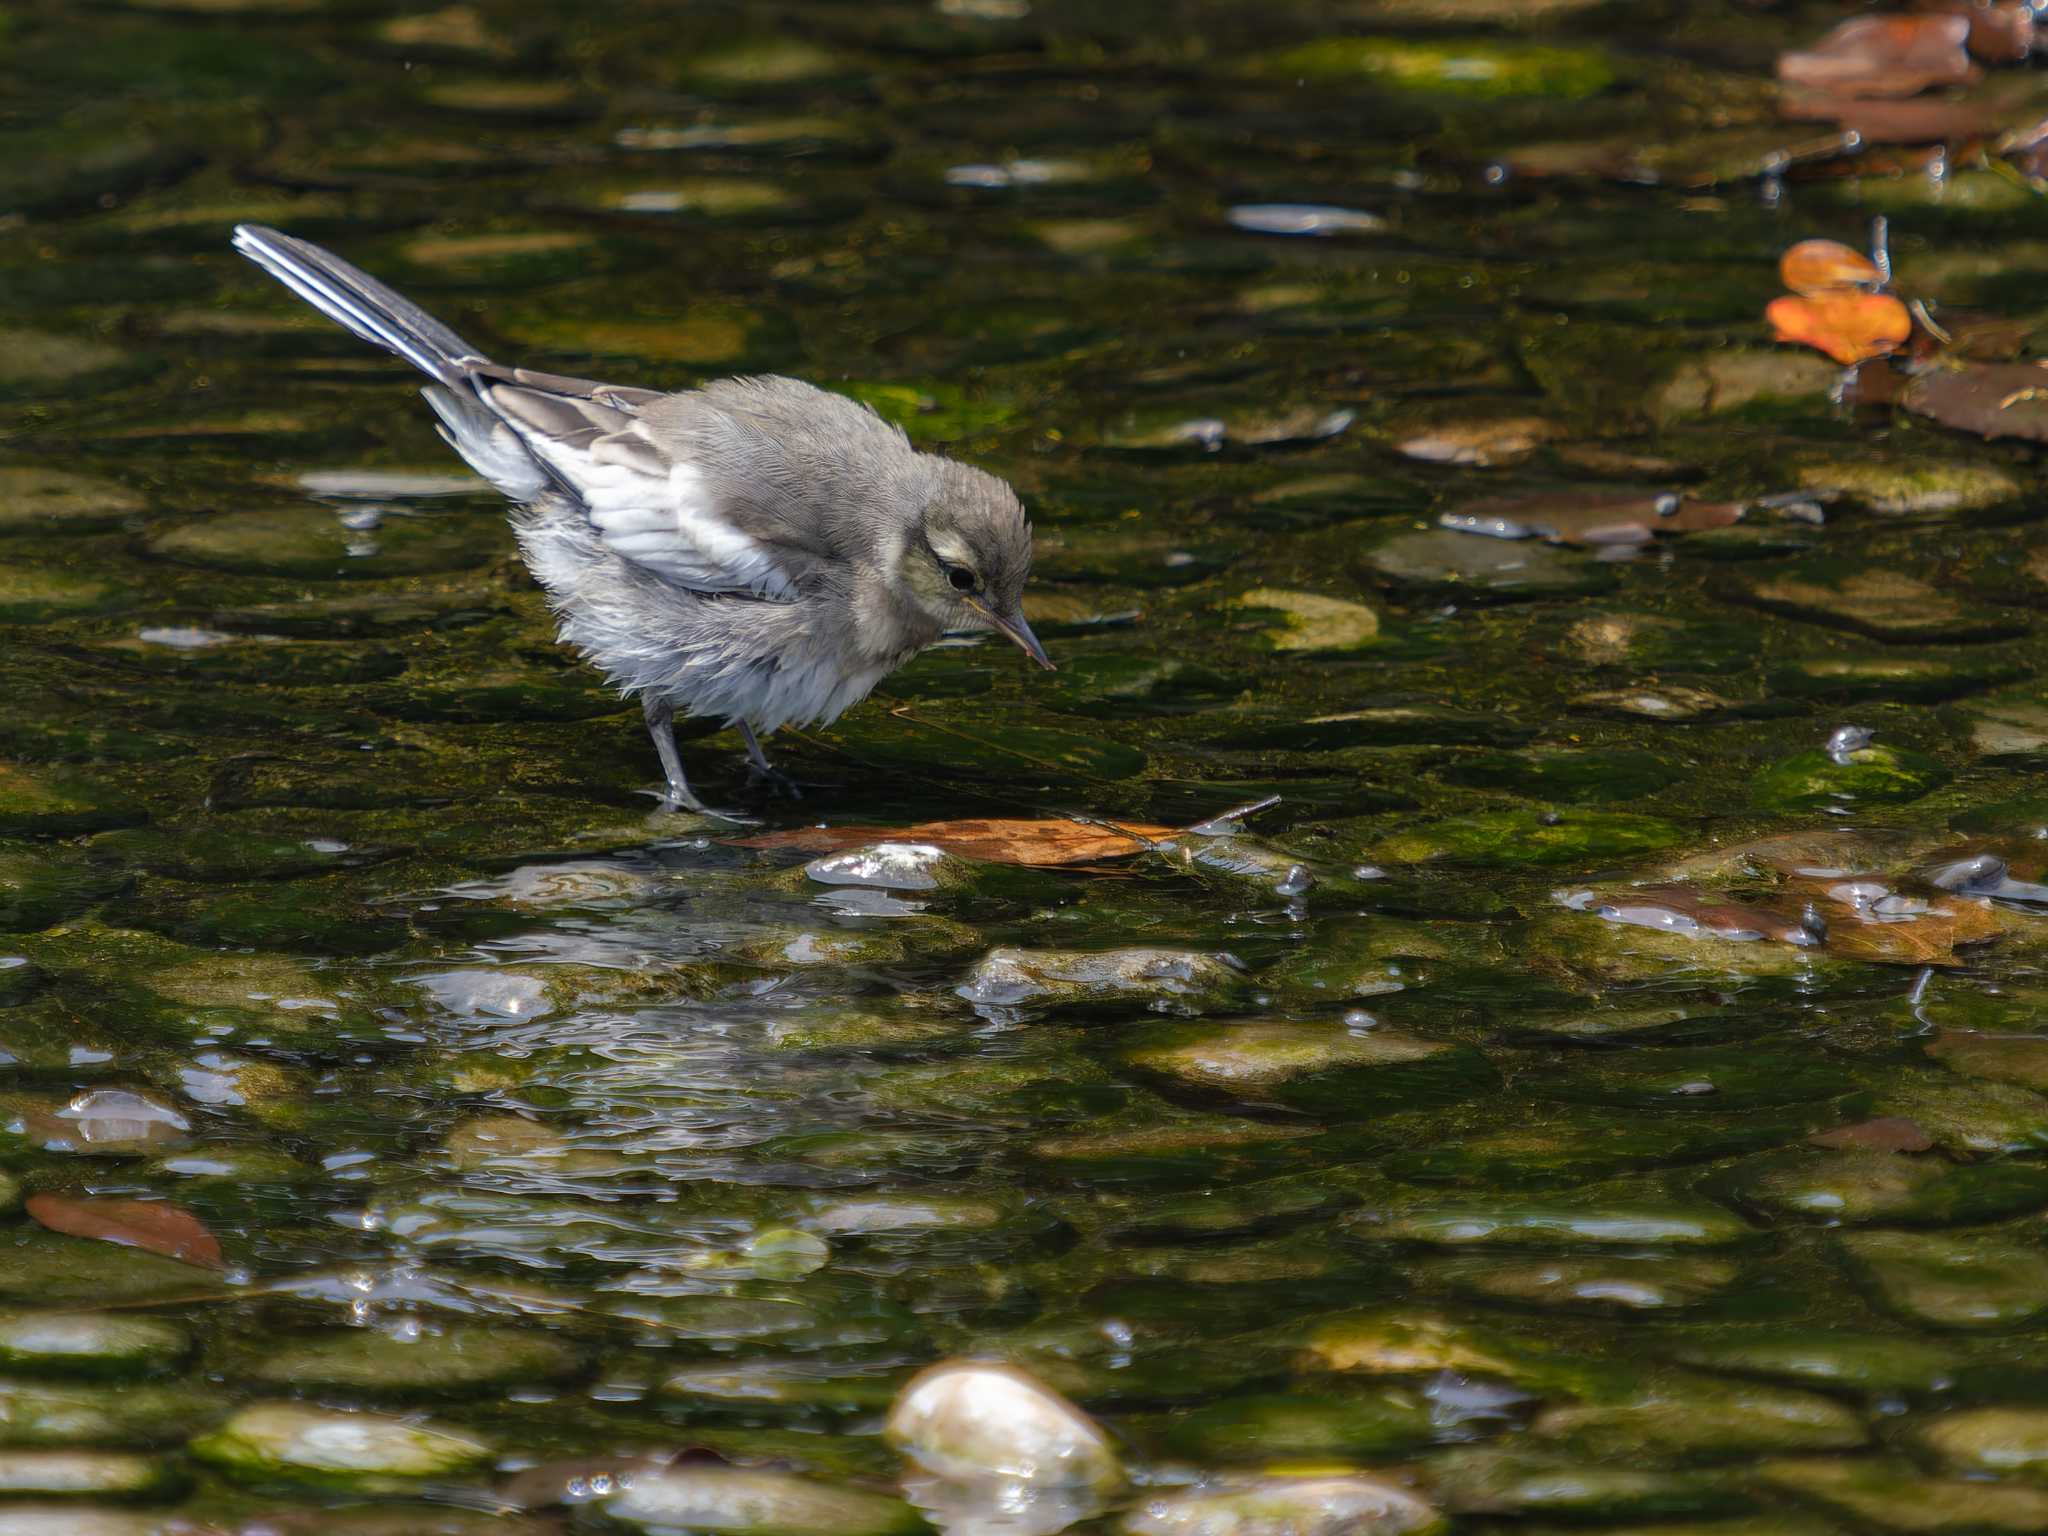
(357, 301)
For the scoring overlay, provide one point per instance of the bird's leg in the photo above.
(661, 718)
(661, 725)
(763, 771)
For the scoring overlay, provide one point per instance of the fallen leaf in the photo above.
(154, 1225)
(1847, 326)
(1889, 1133)
(1874, 120)
(1040, 844)
(2000, 33)
(1884, 56)
(1684, 910)
(1881, 926)
(1989, 399)
(1827, 266)
(1591, 517)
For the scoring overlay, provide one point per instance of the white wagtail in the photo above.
(758, 549)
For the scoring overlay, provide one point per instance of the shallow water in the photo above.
(1587, 1096)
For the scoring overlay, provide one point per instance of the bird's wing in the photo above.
(648, 496)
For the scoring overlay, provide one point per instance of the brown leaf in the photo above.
(1040, 844)
(1931, 938)
(1989, 399)
(1883, 56)
(2000, 33)
(1889, 1133)
(1826, 266)
(1682, 909)
(154, 1225)
(1847, 326)
(1936, 120)
(1592, 517)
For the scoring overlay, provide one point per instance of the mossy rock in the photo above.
(1870, 775)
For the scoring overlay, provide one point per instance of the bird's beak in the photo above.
(1019, 633)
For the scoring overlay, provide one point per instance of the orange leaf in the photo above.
(1043, 844)
(1848, 326)
(1883, 56)
(154, 1225)
(1814, 267)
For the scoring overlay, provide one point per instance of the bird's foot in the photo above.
(678, 798)
(766, 779)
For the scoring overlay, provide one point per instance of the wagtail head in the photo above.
(966, 562)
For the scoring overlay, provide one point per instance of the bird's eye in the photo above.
(961, 577)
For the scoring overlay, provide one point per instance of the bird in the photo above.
(756, 549)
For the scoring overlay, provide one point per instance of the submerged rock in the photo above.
(1285, 1506)
(1954, 1280)
(1895, 1495)
(1380, 1419)
(1170, 980)
(753, 1501)
(411, 1361)
(2001, 1441)
(107, 1474)
(968, 1421)
(1697, 1416)
(1820, 779)
(88, 1343)
(300, 1443)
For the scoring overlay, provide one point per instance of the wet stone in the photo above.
(2003, 1442)
(1737, 378)
(1441, 562)
(1312, 622)
(105, 1474)
(2022, 1060)
(88, 1344)
(1915, 679)
(1878, 600)
(407, 1361)
(46, 801)
(1469, 67)
(104, 1122)
(749, 1501)
(1485, 1481)
(1701, 1417)
(1229, 428)
(41, 1413)
(285, 1441)
(1622, 1284)
(40, 887)
(1562, 776)
(1671, 702)
(1919, 485)
(891, 867)
(1829, 1359)
(42, 1268)
(1285, 1506)
(1374, 1421)
(969, 1421)
(2010, 726)
(1953, 1280)
(1335, 1069)
(310, 543)
(1869, 775)
(1594, 1218)
(1170, 980)
(1855, 1187)
(1571, 838)
(1897, 1496)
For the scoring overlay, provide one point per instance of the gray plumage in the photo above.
(758, 550)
